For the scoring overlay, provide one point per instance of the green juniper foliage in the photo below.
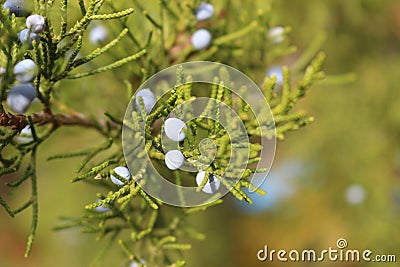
(157, 35)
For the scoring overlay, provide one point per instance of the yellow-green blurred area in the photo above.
(337, 178)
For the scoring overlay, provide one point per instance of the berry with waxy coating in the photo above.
(281, 183)
(355, 194)
(27, 37)
(204, 11)
(277, 34)
(136, 264)
(101, 208)
(149, 100)
(20, 8)
(98, 35)
(201, 39)
(25, 135)
(174, 159)
(173, 128)
(35, 23)
(212, 184)
(277, 72)
(2, 71)
(121, 171)
(21, 96)
(25, 71)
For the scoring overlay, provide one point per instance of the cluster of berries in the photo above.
(34, 26)
(277, 36)
(174, 130)
(174, 159)
(201, 38)
(21, 95)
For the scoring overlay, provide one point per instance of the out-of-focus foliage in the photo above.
(354, 140)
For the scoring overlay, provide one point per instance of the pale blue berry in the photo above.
(277, 34)
(101, 208)
(280, 185)
(204, 11)
(136, 264)
(27, 37)
(277, 72)
(121, 171)
(212, 185)
(20, 8)
(201, 39)
(98, 35)
(2, 71)
(25, 136)
(21, 96)
(174, 159)
(173, 128)
(355, 194)
(25, 71)
(149, 100)
(35, 23)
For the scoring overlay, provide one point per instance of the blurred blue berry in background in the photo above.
(98, 34)
(277, 72)
(205, 11)
(355, 194)
(277, 34)
(279, 185)
(201, 39)
(136, 264)
(101, 208)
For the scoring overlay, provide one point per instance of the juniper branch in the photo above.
(73, 119)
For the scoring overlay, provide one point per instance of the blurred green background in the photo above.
(354, 141)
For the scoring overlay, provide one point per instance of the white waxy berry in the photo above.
(121, 171)
(212, 184)
(201, 39)
(136, 264)
(27, 37)
(20, 8)
(2, 71)
(98, 35)
(25, 71)
(35, 23)
(21, 96)
(101, 208)
(277, 72)
(25, 136)
(173, 128)
(174, 159)
(149, 100)
(355, 194)
(204, 11)
(277, 34)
